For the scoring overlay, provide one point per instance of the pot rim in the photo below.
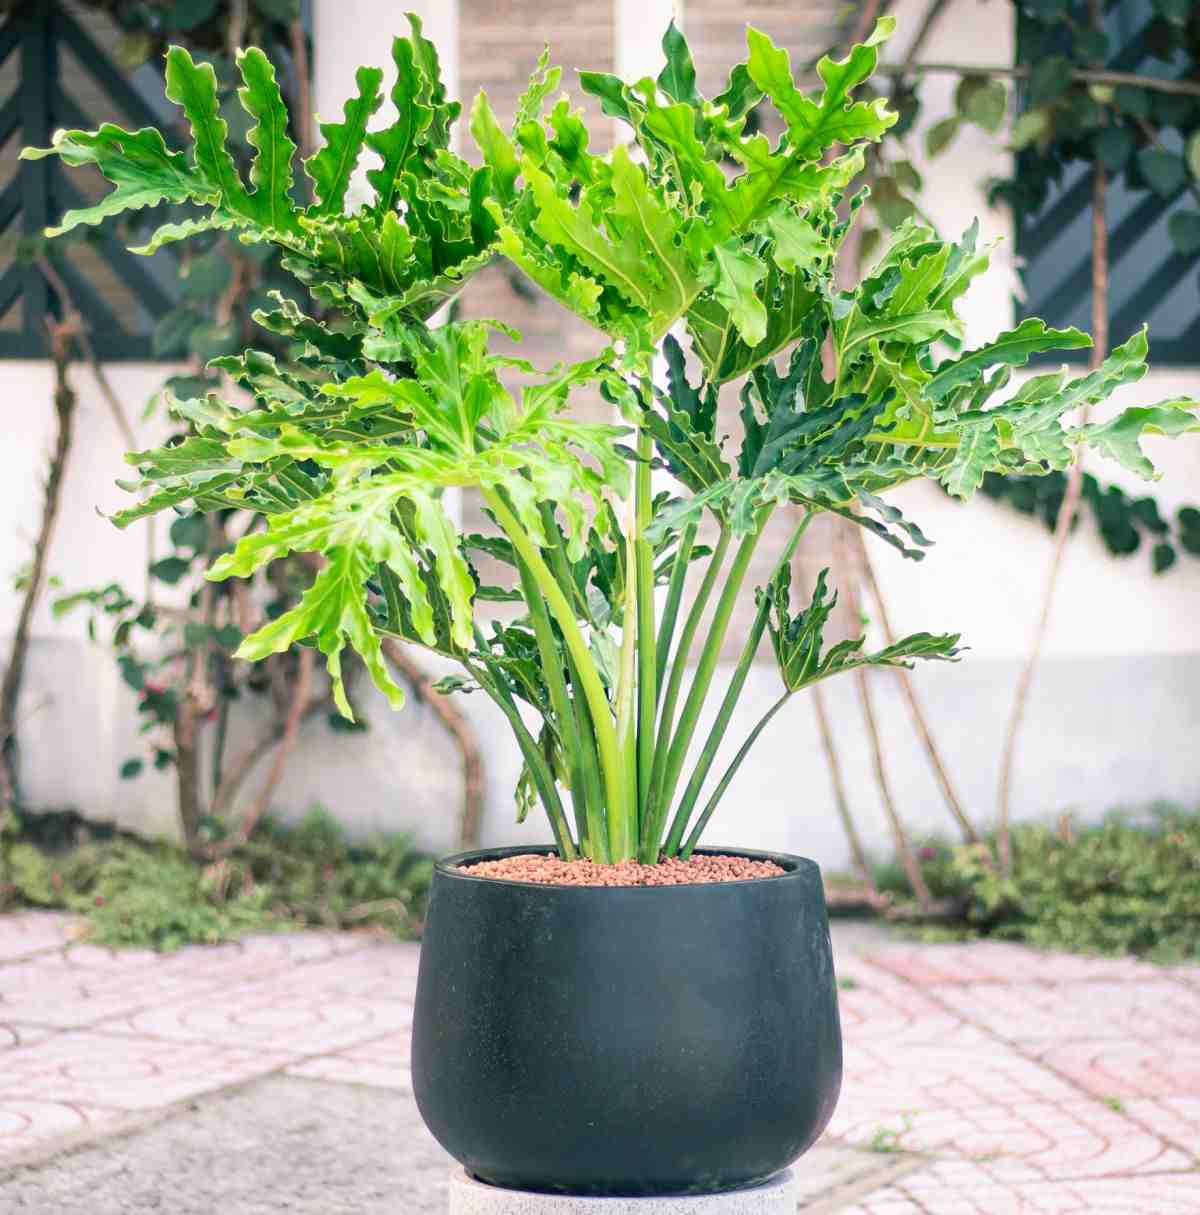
(795, 867)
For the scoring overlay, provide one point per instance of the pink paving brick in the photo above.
(1027, 1142)
(27, 1123)
(383, 1063)
(29, 932)
(962, 1188)
(880, 1081)
(1125, 1069)
(900, 1014)
(1031, 1012)
(1175, 1119)
(889, 1201)
(13, 1035)
(387, 973)
(92, 1069)
(303, 1020)
(1001, 962)
(62, 990)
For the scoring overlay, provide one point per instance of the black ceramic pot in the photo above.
(626, 1040)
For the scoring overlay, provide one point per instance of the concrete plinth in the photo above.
(470, 1197)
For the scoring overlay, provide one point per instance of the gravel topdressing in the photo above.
(553, 871)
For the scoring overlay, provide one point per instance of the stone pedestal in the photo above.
(470, 1197)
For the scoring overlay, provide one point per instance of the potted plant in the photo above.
(679, 1036)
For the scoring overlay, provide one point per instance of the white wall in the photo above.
(1116, 705)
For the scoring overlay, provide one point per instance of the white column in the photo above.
(639, 29)
(347, 36)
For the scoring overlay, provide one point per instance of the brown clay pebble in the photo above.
(554, 871)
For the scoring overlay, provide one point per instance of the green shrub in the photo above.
(151, 894)
(1128, 885)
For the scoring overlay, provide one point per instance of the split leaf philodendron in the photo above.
(694, 227)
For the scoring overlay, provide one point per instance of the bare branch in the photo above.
(953, 803)
(1181, 88)
(458, 727)
(62, 334)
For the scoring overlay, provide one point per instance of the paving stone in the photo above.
(879, 1080)
(1001, 962)
(87, 1068)
(1027, 1142)
(14, 1034)
(1153, 1010)
(28, 1123)
(1175, 1119)
(828, 1168)
(989, 1078)
(263, 1015)
(1121, 1069)
(29, 932)
(961, 1188)
(384, 1062)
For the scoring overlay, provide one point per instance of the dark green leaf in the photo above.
(941, 134)
(170, 569)
(1164, 172)
(678, 78)
(131, 768)
(1184, 229)
(1113, 145)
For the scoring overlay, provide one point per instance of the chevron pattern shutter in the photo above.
(55, 71)
(1149, 282)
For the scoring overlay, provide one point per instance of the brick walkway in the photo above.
(981, 1079)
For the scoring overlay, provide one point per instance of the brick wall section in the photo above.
(499, 47)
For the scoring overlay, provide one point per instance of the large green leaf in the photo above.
(331, 168)
(798, 640)
(1120, 437)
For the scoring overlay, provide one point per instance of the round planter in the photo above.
(626, 1041)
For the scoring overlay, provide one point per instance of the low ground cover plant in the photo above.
(138, 892)
(1128, 884)
(349, 450)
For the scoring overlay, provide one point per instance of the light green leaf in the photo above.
(1013, 348)
(1119, 438)
(271, 170)
(331, 169)
(138, 163)
(193, 87)
(678, 79)
(739, 274)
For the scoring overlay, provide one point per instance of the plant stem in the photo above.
(646, 639)
(652, 824)
(539, 770)
(709, 656)
(730, 773)
(732, 695)
(556, 685)
(593, 689)
(679, 569)
(623, 818)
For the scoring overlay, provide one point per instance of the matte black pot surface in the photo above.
(626, 1040)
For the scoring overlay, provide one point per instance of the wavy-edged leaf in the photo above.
(1013, 348)
(331, 168)
(1120, 438)
(798, 640)
(271, 169)
(193, 87)
(138, 163)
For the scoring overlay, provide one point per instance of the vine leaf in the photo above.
(798, 640)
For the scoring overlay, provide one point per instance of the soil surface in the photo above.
(554, 871)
